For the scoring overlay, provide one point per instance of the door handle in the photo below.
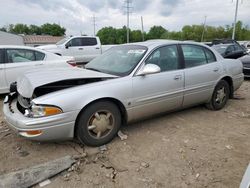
(38, 64)
(80, 48)
(216, 69)
(177, 77)
(97, 48)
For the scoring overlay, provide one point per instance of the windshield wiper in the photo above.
(93, 69)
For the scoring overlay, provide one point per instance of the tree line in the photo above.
(45, 29)
(110, 35)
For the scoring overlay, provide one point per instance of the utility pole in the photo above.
(204, 28)
(128, 7)
(235, 18)
(94, 23)
(142, 28)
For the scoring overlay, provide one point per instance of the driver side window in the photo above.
(165, 57)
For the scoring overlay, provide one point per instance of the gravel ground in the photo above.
(190, 148)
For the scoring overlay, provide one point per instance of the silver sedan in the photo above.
(127, 83)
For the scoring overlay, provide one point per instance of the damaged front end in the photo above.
(30, 109)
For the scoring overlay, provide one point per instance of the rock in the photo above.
(144, 164)
(229, 147)
(66, 177)
(23, 153)
(197, 175)
(33, 175)
(186, 141)
(122, 135)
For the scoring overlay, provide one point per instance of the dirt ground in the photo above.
(191, 148)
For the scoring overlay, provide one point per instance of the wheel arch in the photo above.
(117, 102)
(229, 80)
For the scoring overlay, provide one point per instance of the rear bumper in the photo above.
(237, 81)
(57, 127)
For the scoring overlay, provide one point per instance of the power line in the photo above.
(128, 7)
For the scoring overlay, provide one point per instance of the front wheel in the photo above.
(220, 96)
(98, 123)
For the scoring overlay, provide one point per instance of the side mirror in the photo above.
(67, 46)
(149, 69)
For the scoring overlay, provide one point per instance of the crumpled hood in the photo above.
(27, 83)
(48, 47)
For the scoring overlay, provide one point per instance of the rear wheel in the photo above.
(220, 96)
(99, 123)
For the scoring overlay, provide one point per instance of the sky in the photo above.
(77, 15)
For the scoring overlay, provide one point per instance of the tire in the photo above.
(98, 124)
(220, 96)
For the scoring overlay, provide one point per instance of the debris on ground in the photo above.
(197, 175)
(229, 147)
(4, 131)
(144, 164)
(35, 174)
(103, 148)
(238, 97)
(44, 183)
(122, 135)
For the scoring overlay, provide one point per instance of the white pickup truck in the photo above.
(82, 48)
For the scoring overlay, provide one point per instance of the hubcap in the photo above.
(100, 124)
(220, 96)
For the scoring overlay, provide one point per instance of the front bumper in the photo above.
(56, 127)
(246, 72)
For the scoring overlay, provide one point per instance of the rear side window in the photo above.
(209, 55)
(23, 55)
(20, 55)
(89, 41)
(39, 56)
(197, 55)
(193, 55)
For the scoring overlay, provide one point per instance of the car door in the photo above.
(74, 48)
(91, 48)
(202, 72)
(3, 83)
(18, 62)
(159, 92)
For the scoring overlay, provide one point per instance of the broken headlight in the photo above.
(42, 111)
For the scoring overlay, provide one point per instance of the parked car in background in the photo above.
(127, 83)
(232, 51)
(16, 60)
(235, 51)
(82, 48)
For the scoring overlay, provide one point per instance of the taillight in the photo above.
(72, 63)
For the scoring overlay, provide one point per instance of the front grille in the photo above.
(24, 102)
(20, 108)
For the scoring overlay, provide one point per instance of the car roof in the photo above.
(158, 42)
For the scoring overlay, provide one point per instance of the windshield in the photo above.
(62, 41)
(220, 49)
(119, 60)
